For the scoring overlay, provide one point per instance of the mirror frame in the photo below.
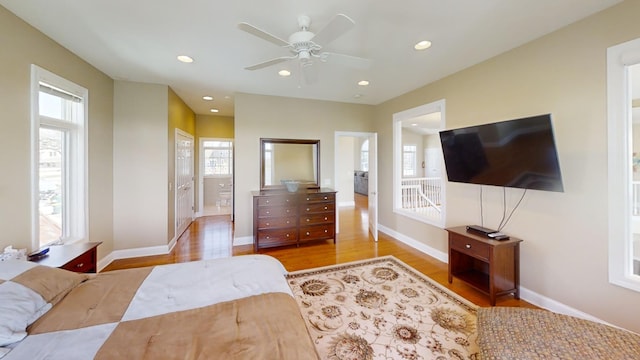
(264, 141)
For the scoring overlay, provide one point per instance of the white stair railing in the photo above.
(420, 193)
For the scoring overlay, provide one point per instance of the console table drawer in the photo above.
(309, 198)
(272, 211)
(470, 247)
(276, 222)
(270, 238)
(317, 208)
(317, 219)
(276, 200)
(317, 232)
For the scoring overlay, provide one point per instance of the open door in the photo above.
(373, 185)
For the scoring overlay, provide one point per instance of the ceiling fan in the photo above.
(306, 46)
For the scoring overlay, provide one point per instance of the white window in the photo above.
(623, 92)
(59, 109)
(218, 157)
(409, 160)
(364, 156)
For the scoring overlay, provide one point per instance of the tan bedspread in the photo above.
(107, 317)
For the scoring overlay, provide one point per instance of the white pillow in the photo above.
(28, 291)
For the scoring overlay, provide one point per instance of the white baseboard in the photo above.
(137, 252)
(556, 306)
(525, 294)
(245, 240)
(442, 256)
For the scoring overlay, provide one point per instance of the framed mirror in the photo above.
(289, 160)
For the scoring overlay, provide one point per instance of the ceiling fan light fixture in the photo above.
(207, 98)
(284, 73)
(185, 59)
(422, 45)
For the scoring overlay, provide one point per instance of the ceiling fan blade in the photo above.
(353, 62)
(262, 34)
(269, 62)
(338, 25)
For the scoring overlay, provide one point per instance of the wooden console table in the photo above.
(79, 257)
(490, 266)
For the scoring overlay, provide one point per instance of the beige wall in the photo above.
(275, 117)
(564, 253)
(140, 165)
(22, 46)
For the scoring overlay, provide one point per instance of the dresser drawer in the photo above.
(271, 211)
(83, 263)
(470, 246)
(317, 208)
(317, 232)
(314, 219)
(276, 200)
(310, 198)
(281, 237)
(277, 222)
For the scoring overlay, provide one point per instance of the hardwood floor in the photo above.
(211, 236)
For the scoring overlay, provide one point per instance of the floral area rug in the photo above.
(383, 309)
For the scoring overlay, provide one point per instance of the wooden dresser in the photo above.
(283, 218)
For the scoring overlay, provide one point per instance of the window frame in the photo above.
(75, 209)
(619, 58)
(230, 158)
(397, 119)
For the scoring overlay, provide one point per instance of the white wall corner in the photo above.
(244, 240)
(442, 256)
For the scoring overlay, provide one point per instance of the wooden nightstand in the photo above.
(79, 257)
(491, 266)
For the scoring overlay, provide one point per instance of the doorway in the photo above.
(184, 209)
(216, 176)
(356, 173)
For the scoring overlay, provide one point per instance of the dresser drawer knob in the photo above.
(288, 221)
(308, 199)
(308, 219)
(268, 212)
(325, 198)
(287, 211)
(80, 265)
(267, 201)
(326, 231)
(308, 209)
(287, 235)
(268, 237)
(326, 218)
(267, 224)
(326, 207)
(468, 246)
(308, 233)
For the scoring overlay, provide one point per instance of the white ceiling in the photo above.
(139, 41)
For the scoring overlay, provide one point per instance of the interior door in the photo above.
(373, 186)
(184, 181)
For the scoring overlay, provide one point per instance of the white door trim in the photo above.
(181, 133)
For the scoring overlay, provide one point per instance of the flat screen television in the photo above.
(518, 153)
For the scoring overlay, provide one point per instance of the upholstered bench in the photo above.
(520, 333)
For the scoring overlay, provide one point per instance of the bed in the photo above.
(232, 308)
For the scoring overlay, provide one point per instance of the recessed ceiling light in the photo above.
(214, 110)
(414, 124)
(227, 97)
(357, 96)
(284, 72)
(207, 97)
(185, 59)
(422, 45)
(363, 83)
